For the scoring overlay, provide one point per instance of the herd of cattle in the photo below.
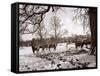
(52, 43)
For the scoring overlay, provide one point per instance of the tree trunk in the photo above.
(93, 28)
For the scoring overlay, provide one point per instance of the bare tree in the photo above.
(32, 15)
(88, 17)
(57, 32)
(42, 32)
(55, 25)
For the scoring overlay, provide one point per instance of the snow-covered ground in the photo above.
(61, 58)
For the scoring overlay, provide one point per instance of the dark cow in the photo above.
(52, 43)
(34, 48)
(82, 43)
(78, 44)
(48, 46)
(52, 46)
(86, 42)
(34, 44)
(37, 44)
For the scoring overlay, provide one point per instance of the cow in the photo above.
(52, 43)
(82, 43)
(37, 44)
(78, 44)
(35, 48)
(52, 46)
(86, 42)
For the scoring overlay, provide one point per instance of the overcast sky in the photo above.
(66, 15)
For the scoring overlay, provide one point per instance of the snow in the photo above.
(25, 51)
(61, 47)
(48, 60)
(71, 46)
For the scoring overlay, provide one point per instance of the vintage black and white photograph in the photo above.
(57, 37)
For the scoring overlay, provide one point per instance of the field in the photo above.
(64, 57)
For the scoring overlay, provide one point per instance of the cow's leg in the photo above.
(38, 49)
(34, 52)
(76, 46)
(67, 46)
(46, 47)
(43, 48)
(85, 45)
(82, 44)
(33, 49)
(93, 52)
(55, 47)
(49, 47)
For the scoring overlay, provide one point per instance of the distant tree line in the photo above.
(70, 39)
